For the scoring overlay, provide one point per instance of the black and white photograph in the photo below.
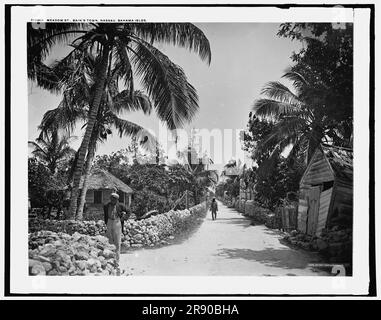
(226, 147)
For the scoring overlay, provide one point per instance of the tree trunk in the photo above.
(98, 92)
(186, 199)
(89, 161)
(157, 153)
(50, 211)
(314, 143)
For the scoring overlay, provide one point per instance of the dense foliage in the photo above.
(271, 189)
(289, 123)
(326, 62)
(156, 186)
(46, 190)
(126, 49)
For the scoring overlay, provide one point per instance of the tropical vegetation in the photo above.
(313, 105)
(127, 50)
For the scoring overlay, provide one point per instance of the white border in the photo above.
(22, 283)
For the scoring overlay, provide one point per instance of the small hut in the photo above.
(326, 191)
(100, 186)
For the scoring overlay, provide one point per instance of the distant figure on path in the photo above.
(114, 216)
(214, 209)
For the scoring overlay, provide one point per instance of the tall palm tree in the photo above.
(298, 116)
(130, 48)
(52, 150)
(74, 108)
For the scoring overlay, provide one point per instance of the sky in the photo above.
(245, 56)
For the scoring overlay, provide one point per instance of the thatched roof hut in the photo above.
(101, 179)
(101, 184)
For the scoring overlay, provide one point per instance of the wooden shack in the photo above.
(326, 191)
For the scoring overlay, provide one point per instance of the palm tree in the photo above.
(73, 108)
(130, 48)
(197, 167)
(52, 150)
(298, 116)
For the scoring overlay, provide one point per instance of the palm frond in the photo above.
(123, 68)
(138, 102)
(278, 91)
(297, 79)
(128, 128)
(290, 127)
(269, 108)
(65, 116)
(174, 98)
(184, 35)
(41, 40)
(37, 149)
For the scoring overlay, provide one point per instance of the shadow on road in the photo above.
(279, 258)
(236, 221)
(242, 221)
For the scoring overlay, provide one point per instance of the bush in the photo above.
(145, 201)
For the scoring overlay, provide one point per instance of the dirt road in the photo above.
(230, 246)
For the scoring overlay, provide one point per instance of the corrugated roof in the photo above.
(101, 179)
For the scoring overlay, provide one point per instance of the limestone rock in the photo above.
(36, 268)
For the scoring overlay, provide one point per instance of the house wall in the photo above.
(325, 201)
(318, 172)
(302, 210)
(341, 212)
(90, 196)
(96, 209)
(335, 204)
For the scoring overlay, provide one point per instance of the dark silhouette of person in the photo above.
(214, 209)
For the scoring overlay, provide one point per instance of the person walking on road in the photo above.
(114, 215)
(214, 209)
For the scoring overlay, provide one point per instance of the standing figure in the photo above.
(214, 209)
(114, 215)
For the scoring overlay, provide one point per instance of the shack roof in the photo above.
(341, 161)
(101, 179)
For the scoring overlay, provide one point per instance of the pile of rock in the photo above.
(92, 228)
(338, 243)
(334, 243)
(52, 253)
(301, 240)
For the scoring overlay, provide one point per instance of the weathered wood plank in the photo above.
(325, 200)
(313, 209)
(302, 218)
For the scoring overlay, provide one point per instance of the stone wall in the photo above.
(92, 228)
(156, 230)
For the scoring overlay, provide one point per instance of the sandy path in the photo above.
(228, 246)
